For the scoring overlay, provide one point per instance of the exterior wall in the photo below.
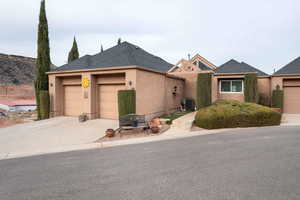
(264, 86)
(216, 94)
(153, 90)
(154, 93)
(190, 83)
(278, 80)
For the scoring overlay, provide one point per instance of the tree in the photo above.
(119, 41)
(73, 54)
(101, 48)
(43, 57)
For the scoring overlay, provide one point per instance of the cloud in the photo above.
(263, 33)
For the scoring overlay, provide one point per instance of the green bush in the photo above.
(250, 88)
(126, 102)
(231, 114)
(277, 98)
(44, 99)
(264, 100)
(204, 90)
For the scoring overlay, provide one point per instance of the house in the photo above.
(19, 105)
(124, 66)
(288, 79)
(91, 83)
(228, 81)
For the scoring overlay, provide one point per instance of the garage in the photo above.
(107, 94)
(108, 100)
(72, 91)
(291, 96)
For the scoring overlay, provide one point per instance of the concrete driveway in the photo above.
(290, 120)
(48, 135)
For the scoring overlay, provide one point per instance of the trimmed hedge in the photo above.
(44, 99)
(277, 98)
(250, 88)
(126, 102)
(204, 90)
(231, 114)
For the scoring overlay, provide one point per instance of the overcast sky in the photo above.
(263, 33)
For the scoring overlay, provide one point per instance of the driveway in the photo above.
(290, 120)
(51, 134)
(247, 164)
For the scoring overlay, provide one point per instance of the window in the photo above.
(231, 86)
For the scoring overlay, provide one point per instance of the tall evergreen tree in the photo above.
(73, 54)
(119, 41)
(101, 48)
(43, 57)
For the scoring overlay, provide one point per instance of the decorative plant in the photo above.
(250, 88)
(204, 90)
(126, 102)
(277, 98)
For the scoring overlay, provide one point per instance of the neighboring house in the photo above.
(20, 105)
(288, 79)
(125, 66)
(188, 69)
(228, 81)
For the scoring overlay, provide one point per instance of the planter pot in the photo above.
(110, 132)
(154, 129)
(277, 109)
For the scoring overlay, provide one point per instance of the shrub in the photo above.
(231, 114)
(264, 100)
(204, 90)
(126, 102)
(250, 88)
(277, 98)
(44, 104)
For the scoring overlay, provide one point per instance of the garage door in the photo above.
(73, 100)
(108, 101)
(291, 100)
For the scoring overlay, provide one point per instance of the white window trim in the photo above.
(220, 89)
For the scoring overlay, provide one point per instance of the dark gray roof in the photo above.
(201, 65)
(124, 54)
(234, 66)
(291, 68)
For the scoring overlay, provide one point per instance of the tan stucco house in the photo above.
(288, 78)
(90, 84)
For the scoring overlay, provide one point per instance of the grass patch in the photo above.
(232, 114)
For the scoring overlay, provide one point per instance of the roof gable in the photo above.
(124, 54)
(291, 68)
(233, 66)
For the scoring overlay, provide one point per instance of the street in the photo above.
(256, 163)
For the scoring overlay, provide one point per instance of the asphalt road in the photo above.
(244, 164)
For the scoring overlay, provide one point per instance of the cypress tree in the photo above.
(43, 57)
(119, 41)
(73, 54)
(101, 48)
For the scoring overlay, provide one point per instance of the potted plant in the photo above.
(110, 132)
(154, 129)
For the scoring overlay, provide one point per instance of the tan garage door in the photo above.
(291, 100)
(108, 101)
(73, 100)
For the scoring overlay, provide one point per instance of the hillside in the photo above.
(15, 70)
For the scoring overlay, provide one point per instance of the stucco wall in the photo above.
(154, 93)
(190, 83)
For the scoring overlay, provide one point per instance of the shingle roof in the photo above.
(291, 68)
(124, 54)
(233, 66)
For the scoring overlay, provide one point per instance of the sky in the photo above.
(263, 33)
